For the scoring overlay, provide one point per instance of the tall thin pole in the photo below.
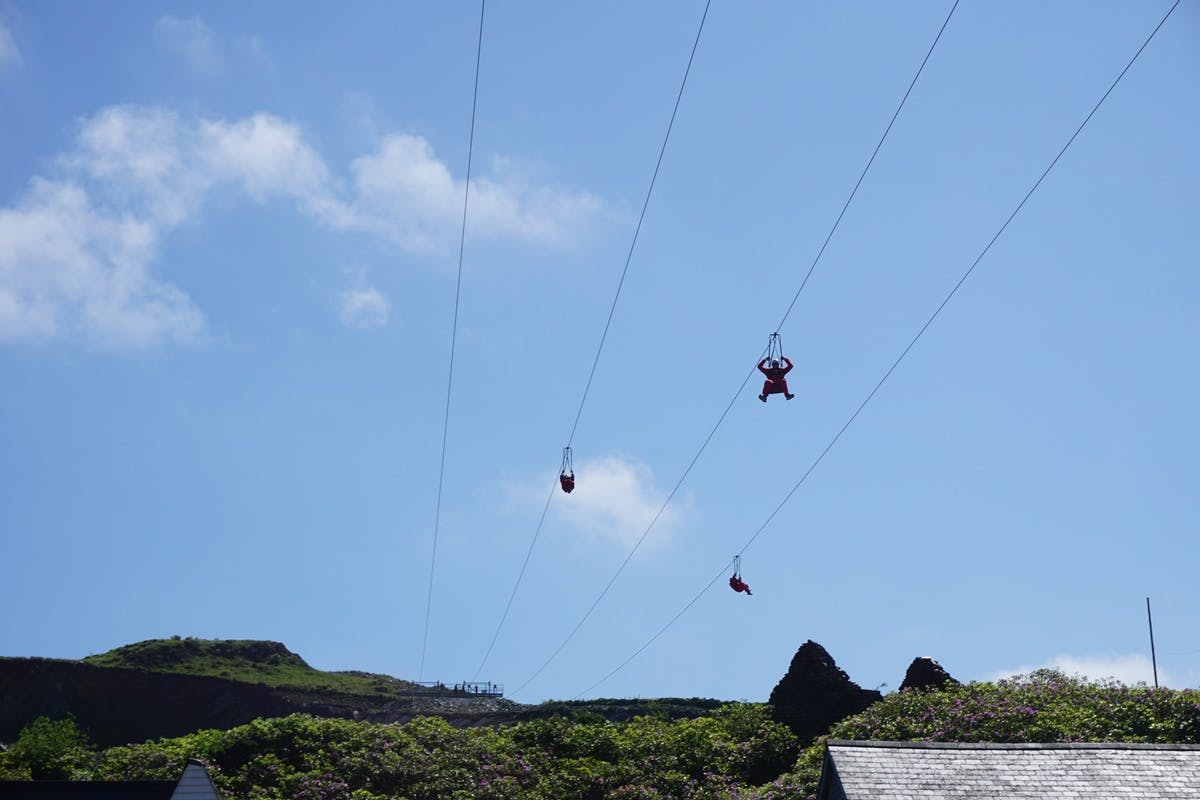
(1153, 658)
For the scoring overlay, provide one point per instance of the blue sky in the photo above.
(228, 251)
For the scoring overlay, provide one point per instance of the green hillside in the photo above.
(250, 661)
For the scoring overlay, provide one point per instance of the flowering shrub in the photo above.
(307, 758)
(1044, 706)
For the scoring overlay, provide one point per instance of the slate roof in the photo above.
(195, 784)
(944, 771)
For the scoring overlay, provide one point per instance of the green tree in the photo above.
(50, 749)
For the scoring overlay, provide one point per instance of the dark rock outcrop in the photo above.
(924, 673)
(115, 706)
(815, 693)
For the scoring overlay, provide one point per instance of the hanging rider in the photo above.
(566, 473)
(735, 580)
(775, 382)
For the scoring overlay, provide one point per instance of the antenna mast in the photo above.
(1153, 658)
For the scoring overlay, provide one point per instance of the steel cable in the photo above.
(453, 339)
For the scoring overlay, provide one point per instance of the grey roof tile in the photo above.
(1078, 771)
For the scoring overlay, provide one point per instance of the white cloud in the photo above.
(1128, 668)
(68, 268)
(266, 157)
(141, 161)
(614, 501)
(10, 56)
(190, 40)
(156, 164)
(78, 251)
(363, 308)
(405, 193)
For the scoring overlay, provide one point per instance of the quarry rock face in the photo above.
(924, 674)
(815, 693)
(116, 706)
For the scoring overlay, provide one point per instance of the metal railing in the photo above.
(463, 689)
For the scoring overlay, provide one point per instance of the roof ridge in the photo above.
(1011, 745)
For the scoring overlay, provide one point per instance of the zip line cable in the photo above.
(661, 630)
(520, 576)
(867, 168)
(902, 355)
(750, 374)
(462, 239)
(638, 229)
(608, 323)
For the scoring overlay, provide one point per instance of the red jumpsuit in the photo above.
(775, 383)
(738, 585)
(567, 481)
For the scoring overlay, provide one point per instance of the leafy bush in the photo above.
(1044, 706)
(48, 749)
(307, 758)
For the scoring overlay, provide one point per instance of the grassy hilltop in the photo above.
(249, 661)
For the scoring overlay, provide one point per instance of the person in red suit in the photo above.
(738, 585)
(775, 383)
(567, 479)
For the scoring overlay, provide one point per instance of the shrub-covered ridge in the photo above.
(1045, 706)
(735, 752)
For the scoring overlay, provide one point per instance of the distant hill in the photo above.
(248, 661)
(171, 687)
